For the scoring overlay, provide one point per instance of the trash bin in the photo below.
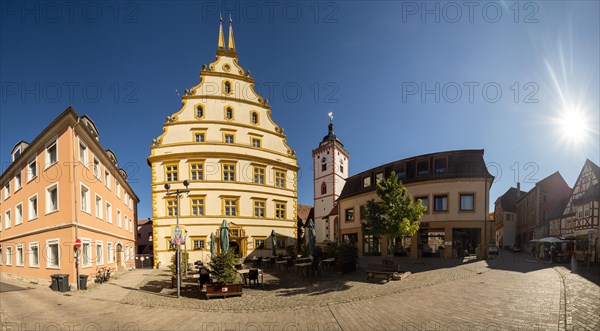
(83, 282)
(54, 285)
(63, 282)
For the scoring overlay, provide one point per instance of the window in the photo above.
(20, 257)
(230, 206)
(323, 164)
(366, 181)
(1, 256)
(440, 203)
(254, 118)
(96, 168)
(401, 175)
(109, 253)
(199, 137)
(33, 208)
(256, 142)
(228, 172)
(196, 171)
(99, 206)
(199, 111)
(126, 223)
(467, 202)
(86, 253)
(52, 198)
(280, 178)
(99, 253)
(259, 208)
(545, 196)
(7, 222)
(85, 199)
(19, 214)
(118, 189)
(83, 153)
(280, 210)
(227, 87)
(18, 181)
(378, 177)
(119, 221)
(350, 215)
(424, 201)
(422, 168)
(229, 138)
(198, 244)
(108, 212)
(371, 245)
(6, 190)
(107, 178)
(171, 172)
(8, 255)
(440, 166)
(259, 243)
(51, 153)
(53, 254)
(34, 255)
(16, 154)
(32, 170)
(323, 188)
(259, 175)
(197, 206)
(363, 212)
(171, 208)
(228, 113)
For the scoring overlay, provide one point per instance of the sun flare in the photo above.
(573, 126)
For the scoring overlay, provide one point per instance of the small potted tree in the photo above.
(346, 256)
(224, 276)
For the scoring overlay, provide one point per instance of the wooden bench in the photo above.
(382, 271)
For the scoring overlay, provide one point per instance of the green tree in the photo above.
(223, 267)
(396, 215)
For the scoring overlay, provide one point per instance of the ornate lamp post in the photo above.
(177, 238)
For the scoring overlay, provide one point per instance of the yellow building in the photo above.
(224, 142)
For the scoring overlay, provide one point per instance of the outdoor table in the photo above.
(281, 264)
(244, 274)
(303, 267)
(328, 262)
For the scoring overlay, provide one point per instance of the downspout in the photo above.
(75, 201)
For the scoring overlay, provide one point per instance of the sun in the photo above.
(573, 126)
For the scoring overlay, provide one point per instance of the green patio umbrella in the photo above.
(311, 236)
(213, 245)
(224, 236)
(273, 242)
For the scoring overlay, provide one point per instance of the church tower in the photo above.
(330, 170)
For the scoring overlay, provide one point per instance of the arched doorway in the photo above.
(119, 256)
(234, 247)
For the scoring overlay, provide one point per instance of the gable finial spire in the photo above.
(221, 44)
(231, 42)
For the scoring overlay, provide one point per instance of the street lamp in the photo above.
(177, 237)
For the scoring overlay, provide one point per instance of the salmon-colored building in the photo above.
(62, 186)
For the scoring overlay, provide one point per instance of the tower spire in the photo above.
(231, 43)
(221, 44)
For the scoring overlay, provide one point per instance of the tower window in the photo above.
(229, 113)
(323, 164)
(199, 112)
(323, 188)
(254, 118)
(227, 87)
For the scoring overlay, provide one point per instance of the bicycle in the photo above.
(102, 275)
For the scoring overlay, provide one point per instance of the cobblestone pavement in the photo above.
(439, 295)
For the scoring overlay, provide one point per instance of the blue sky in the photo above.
(371, 63)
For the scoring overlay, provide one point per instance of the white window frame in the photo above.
(30, 175)
(107, 181)
(96, 165)
(109, 253)
(30, 216)
(8, 255)
(19, 215)
(18, 180)
(86, 263)
(48, 210)
(7, 219)
(48, 259)
(126, 223)
(53, 141)
(108, 206)
(118, 188)
(101, 260)
(119, 219)
(85, 149)
(88, 206)
(98, 211)
(31, 245)
(7, 190)
(130, 225)
(19, 257)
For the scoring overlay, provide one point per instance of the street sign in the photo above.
(78, 243)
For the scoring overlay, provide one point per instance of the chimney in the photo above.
(518, 190)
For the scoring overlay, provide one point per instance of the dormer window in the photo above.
(366, 181)
(422, 168)
(16, 154)
(440, 166)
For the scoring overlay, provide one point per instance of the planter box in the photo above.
(223, 290)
